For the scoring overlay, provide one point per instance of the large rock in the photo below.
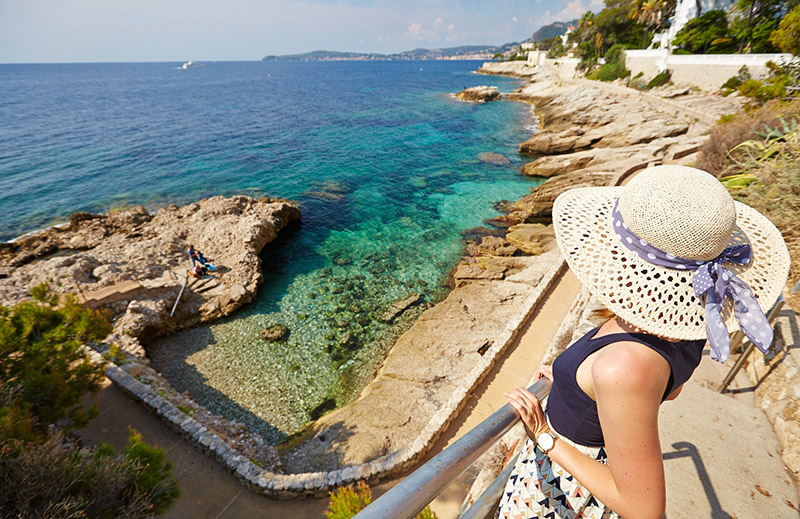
(508, 68)
(532, 238)
(134, 263)
(497, 159)
(479, 94)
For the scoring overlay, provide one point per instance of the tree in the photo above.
(787, 36)
(707, 33)
(44, 374)
(598, 33)
(43, 369)
(755, 20)
(649, 14)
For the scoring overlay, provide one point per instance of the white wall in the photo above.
(707, 71)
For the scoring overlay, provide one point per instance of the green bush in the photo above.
(53, 479)
(614, 67)
(345, 502)
(44, 371)
(659, 79)
(706, 34)
(154, 478)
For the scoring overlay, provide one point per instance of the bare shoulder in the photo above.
(628, 365)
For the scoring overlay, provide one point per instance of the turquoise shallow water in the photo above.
(383, 161)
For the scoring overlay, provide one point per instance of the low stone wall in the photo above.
(706, 71)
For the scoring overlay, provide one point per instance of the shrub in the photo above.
(773, 158)
(345, 502)
(713, 155)
(614, 67)
(733, 83)
(154, 477)
(787, 35)
(708, 33)
(44, 371)
(55, 479)
(659, 79)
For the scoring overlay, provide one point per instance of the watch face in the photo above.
(545, 441)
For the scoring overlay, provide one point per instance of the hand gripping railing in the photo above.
(409, 497)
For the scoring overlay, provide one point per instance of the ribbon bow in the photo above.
(712, 283)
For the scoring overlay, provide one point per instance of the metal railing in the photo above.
(409, 497)
(736, 340)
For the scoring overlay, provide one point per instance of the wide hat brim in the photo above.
(658, 299)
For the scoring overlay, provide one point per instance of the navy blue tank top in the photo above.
(573, 413)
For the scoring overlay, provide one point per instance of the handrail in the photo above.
(771, 315)
(489, 501)
(409, 497)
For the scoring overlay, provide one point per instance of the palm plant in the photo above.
(648, 13)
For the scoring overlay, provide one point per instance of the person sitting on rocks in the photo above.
(197, 257)
(198, 271)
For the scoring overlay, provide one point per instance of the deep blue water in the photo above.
(382, 159)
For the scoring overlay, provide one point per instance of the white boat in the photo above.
(192, 64)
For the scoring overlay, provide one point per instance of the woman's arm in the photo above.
(629, 381)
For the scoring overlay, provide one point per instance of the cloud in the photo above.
(574, 9)
(416, 31)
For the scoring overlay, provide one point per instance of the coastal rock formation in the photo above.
(134, 263)
(508, 68)
(479, 94)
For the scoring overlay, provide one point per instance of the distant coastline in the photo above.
(467, 52)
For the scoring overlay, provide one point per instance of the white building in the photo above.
(685, 11)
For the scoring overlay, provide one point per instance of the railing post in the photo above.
(409, 497)
(771, 315)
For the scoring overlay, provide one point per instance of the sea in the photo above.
(388, 168)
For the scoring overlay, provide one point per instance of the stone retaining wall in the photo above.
(707, 71)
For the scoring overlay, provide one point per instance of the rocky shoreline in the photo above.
(132, 265)
(590, 137)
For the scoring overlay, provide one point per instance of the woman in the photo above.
(677, 261)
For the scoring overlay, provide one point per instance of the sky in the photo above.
(56, 31)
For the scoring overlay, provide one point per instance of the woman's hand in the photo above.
(529, 409)
(543, 371)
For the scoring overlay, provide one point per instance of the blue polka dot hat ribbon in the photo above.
(712, 283)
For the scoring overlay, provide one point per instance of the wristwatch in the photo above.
(546, 441)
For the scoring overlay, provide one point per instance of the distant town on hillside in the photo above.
(452, 53)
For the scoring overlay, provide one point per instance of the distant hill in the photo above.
(463, 52)
(551, 31)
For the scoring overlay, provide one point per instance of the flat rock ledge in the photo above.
(134, 263)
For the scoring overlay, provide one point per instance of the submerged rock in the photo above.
(274, 333)
(497, 159)
(399, 307)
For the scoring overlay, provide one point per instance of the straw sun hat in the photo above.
(684, 212)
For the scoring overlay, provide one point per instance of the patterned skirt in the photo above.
(539, 487)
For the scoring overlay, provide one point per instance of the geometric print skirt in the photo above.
(539, 487)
